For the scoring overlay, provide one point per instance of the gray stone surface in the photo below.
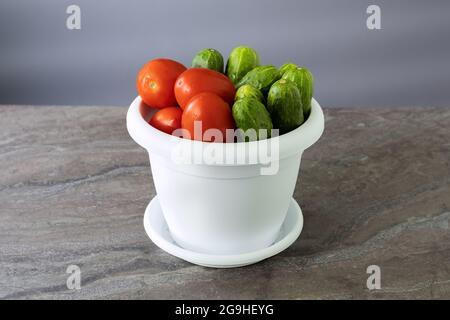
(374, 190)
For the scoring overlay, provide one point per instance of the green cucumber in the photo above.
(304, 81)
(241, 60)
(285, 106)
(287, 66)
(209, 59)
(250, 113)
(248, 91)
(261, 78)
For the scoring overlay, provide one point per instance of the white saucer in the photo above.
(156, 228)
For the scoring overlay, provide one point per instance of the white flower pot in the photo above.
(223, 208)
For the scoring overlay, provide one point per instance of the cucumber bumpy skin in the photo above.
(248, 91)
(249, 113)
(304, 81)
(285, 106)
(241, 60)
(261, 78)
(286, 67)
(208, 58)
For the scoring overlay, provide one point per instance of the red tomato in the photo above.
(167, 119)
(155, 82)
(197, 80)
(213, 113)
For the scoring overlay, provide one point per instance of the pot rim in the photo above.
(156, 141)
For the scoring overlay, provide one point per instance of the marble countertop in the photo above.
(375, 190)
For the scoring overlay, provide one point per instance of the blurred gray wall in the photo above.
(405, 63)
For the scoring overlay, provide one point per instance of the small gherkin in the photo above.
(304, 81)
(248, 91)
(285, 106)
(208, 58)
(287, 66)
(241, 60)
(252, 117)
(261, 78)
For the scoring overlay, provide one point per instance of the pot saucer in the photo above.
(156, 228)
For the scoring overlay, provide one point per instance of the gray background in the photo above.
(406, 63)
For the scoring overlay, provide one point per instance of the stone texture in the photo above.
(374, 190)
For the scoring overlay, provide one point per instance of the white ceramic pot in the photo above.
(223, 208)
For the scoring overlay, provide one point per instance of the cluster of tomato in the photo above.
(185, 96)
